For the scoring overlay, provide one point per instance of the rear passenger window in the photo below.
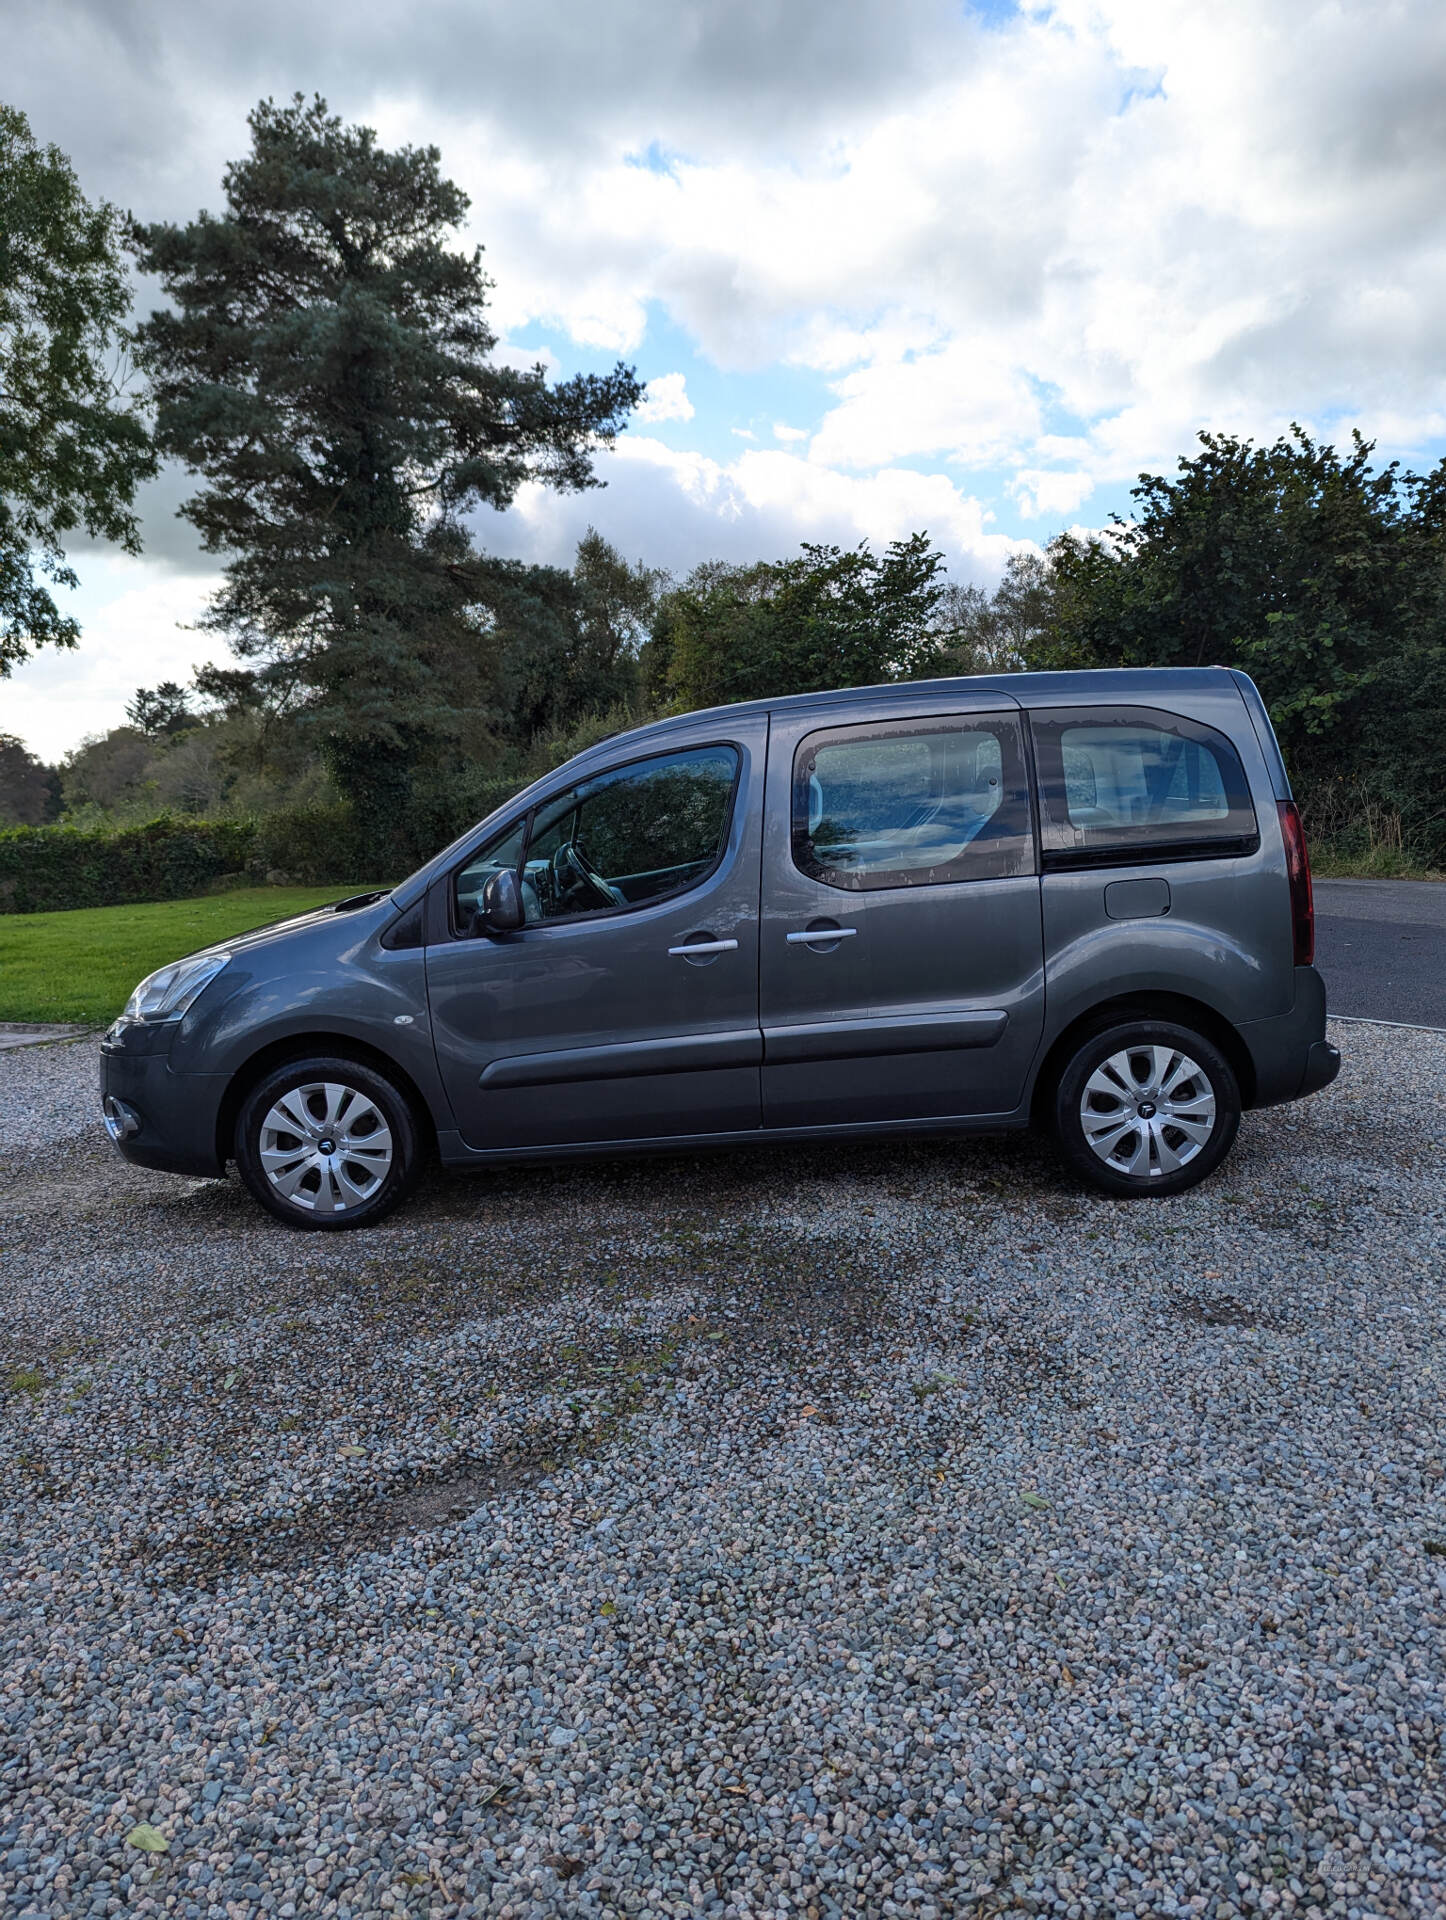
(912, 803)
(1129, 784)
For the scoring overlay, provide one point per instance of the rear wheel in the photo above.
(327, 1144)
(1146, 1108)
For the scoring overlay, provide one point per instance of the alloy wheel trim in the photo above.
(325, 1147)
(1147, 1111)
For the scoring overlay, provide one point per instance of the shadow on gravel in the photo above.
(1219, 1310)
(757, 1299)
(368, 1521)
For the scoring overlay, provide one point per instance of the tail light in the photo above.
(1297, 867)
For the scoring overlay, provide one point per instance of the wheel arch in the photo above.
(1179, 1007)
(301, 1046)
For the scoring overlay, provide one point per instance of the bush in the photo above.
(313, 846)
(446, 804)
(44, 869)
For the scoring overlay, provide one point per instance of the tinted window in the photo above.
(912, 803)
(621, 839)
(1131, 783)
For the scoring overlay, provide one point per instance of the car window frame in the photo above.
(1047, 726)
(543, 801)
(912, 879)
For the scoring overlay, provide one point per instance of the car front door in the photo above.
(626, 1006)
(901, 960)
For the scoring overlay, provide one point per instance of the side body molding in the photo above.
(860, 1039)
(684, 1053)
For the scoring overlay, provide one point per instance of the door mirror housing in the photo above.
(501, 907)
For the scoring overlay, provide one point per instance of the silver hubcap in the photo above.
(326, 1148)
(1147, 1111)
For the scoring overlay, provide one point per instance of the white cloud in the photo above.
(138, 628)
(788, 434)
(680, 507)
(666, 399)
(1042, 492)
(1138, 219)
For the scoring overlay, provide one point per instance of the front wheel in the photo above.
(327, 1143)
(1146, 1108)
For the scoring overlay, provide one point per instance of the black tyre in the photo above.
(1145, 1108)
(327, 1144)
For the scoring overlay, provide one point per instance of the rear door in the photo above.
(626, 1008)
(901, 959)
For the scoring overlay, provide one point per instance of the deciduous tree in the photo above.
(73, 444)
(831, 617)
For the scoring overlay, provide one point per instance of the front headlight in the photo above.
(168, 992)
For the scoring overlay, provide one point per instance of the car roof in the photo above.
(1094, 686)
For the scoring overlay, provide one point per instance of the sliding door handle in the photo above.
(820, 936)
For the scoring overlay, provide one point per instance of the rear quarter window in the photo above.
(1134, 784)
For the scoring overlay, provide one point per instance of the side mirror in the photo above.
(501, 907)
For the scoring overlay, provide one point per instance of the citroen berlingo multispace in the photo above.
(1078, 901)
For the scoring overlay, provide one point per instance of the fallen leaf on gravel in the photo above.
(231, 1379)
(351, 1453)
(1435, 1547)
(742, 1790)
(608, 1609)
(1066, 1676)
(1033, 1499)
(804, 1412)
(149, 1839)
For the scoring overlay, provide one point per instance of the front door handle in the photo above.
(690, 949)
(819, 936)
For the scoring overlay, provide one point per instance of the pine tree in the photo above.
(326, 368)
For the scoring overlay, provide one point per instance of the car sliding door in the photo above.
(902, 956)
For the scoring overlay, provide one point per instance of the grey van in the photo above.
(1079, 901)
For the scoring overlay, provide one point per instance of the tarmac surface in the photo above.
(1381, 945)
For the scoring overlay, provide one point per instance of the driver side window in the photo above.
(624, 838)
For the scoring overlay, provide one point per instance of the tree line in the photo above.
(326, 371)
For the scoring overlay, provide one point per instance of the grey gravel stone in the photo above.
(851, 1531)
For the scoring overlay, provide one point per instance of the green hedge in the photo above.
(45, 869)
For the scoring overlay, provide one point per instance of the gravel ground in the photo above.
(871, 1531)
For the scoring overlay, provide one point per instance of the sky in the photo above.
(886, 265)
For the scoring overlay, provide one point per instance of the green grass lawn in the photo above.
(82, 965)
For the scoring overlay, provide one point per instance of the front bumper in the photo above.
(158, 1118)
(1290, 1054)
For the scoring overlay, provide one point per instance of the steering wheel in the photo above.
(572, 870)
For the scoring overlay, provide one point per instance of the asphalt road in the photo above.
(1381, 945)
